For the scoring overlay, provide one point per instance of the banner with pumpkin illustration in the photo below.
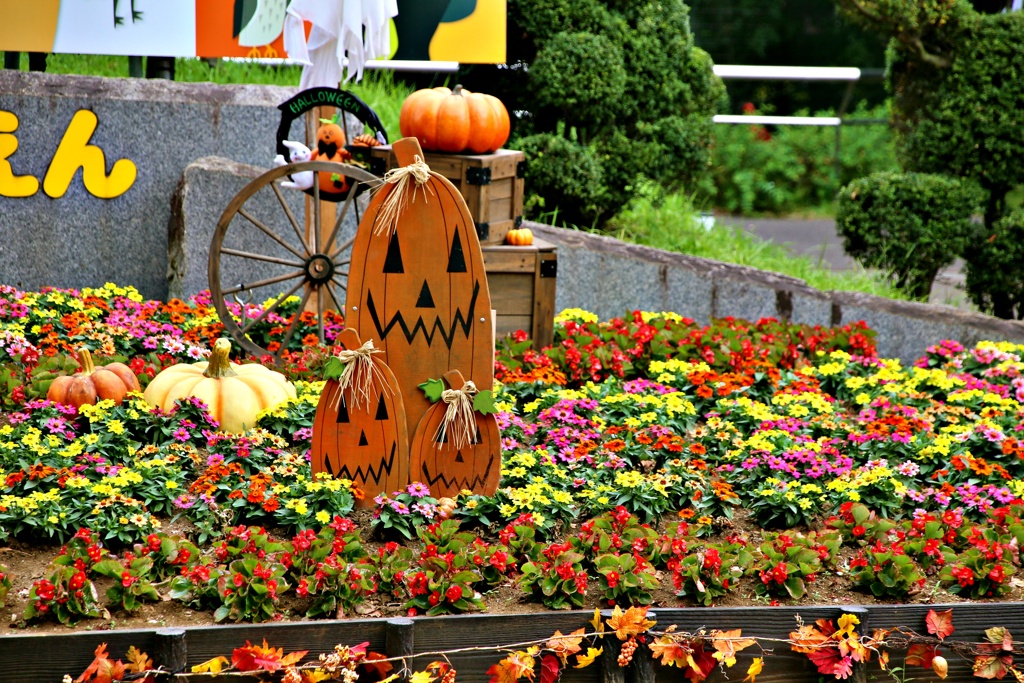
(469, 31)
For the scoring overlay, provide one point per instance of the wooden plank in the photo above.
(507, 324)
(503, 188)
(543, 328)
(509, 259)
(512, 294)
(25, 659)
(445, 633)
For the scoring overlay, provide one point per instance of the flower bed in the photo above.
(629, 447)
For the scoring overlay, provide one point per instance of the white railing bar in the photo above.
(753, 119)
(795, 73)
(393, 64)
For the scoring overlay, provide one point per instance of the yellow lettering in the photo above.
(10, 184)
(75, 152)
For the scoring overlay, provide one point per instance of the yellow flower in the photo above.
(323, 517)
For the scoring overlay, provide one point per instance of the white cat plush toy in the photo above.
(297, 153)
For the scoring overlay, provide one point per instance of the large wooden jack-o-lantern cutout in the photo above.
(417, 286)
(368, 444)
(446, 467)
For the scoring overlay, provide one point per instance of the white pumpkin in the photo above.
(235, 394)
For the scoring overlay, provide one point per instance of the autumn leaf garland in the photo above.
(834, 648)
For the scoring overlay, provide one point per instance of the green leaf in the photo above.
(483, 402)
(433, 388)
(333, 368)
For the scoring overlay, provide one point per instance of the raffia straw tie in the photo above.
(360, 375)
(415, 175)
(458, 422)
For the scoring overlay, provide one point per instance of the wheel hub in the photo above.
(319, 268)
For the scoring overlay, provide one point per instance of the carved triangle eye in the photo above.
(393, 261)
(362, 439)
(441, 436)
(382, 409)
(456, 259)
(342, 411)
(426, 300)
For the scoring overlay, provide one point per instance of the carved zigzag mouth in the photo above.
(448, 335)
(465, 483)
(358, 475)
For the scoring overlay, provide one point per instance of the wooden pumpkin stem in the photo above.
(408, 178)
(85, 360)
(457, 90)
(219, 365)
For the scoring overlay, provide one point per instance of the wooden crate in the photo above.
(492, 185)
(522, 283)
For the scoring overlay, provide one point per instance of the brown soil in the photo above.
(27, 563)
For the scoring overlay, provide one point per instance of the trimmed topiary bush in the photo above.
(995, 281)
(967, 119)
(625, 88)
(910, 225)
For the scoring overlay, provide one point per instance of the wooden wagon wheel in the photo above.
(288, 260)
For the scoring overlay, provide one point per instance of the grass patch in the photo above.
(673, 225)
(379, 89)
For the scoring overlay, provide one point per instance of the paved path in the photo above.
(817, 239)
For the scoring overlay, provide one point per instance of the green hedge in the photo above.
(909, 225)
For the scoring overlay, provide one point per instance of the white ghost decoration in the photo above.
(337, 33)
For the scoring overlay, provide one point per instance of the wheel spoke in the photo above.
(294, 323)
(340, 286)
(269, 233)
(337, 252)
(330, 291)
(291, 218)
(320, 314)
(273, 307)
(264, 283)
(261, 257)
(349, 200)
(316, 215)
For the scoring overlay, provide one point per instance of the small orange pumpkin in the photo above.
(519, 237)
(93, 383)
(456, 120)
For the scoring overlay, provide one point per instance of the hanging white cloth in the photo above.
(344, 33)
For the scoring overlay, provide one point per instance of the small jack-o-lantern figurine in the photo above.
(330, 146)
(417, 284)
(455, 446)
(360, 431)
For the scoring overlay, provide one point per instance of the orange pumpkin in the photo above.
(369, 445)
(447, 469)
(456, 120)
(92, 384)
(419, 289)
(519, 237)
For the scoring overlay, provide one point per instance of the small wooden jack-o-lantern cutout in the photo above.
(437, 460)
(369, 443)
(417, 284)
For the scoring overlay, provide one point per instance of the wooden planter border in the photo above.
(46, 658)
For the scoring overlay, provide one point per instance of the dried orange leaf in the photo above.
(940, 624)
(632, 622)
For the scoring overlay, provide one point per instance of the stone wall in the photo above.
(80, 240)
(608, 277)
